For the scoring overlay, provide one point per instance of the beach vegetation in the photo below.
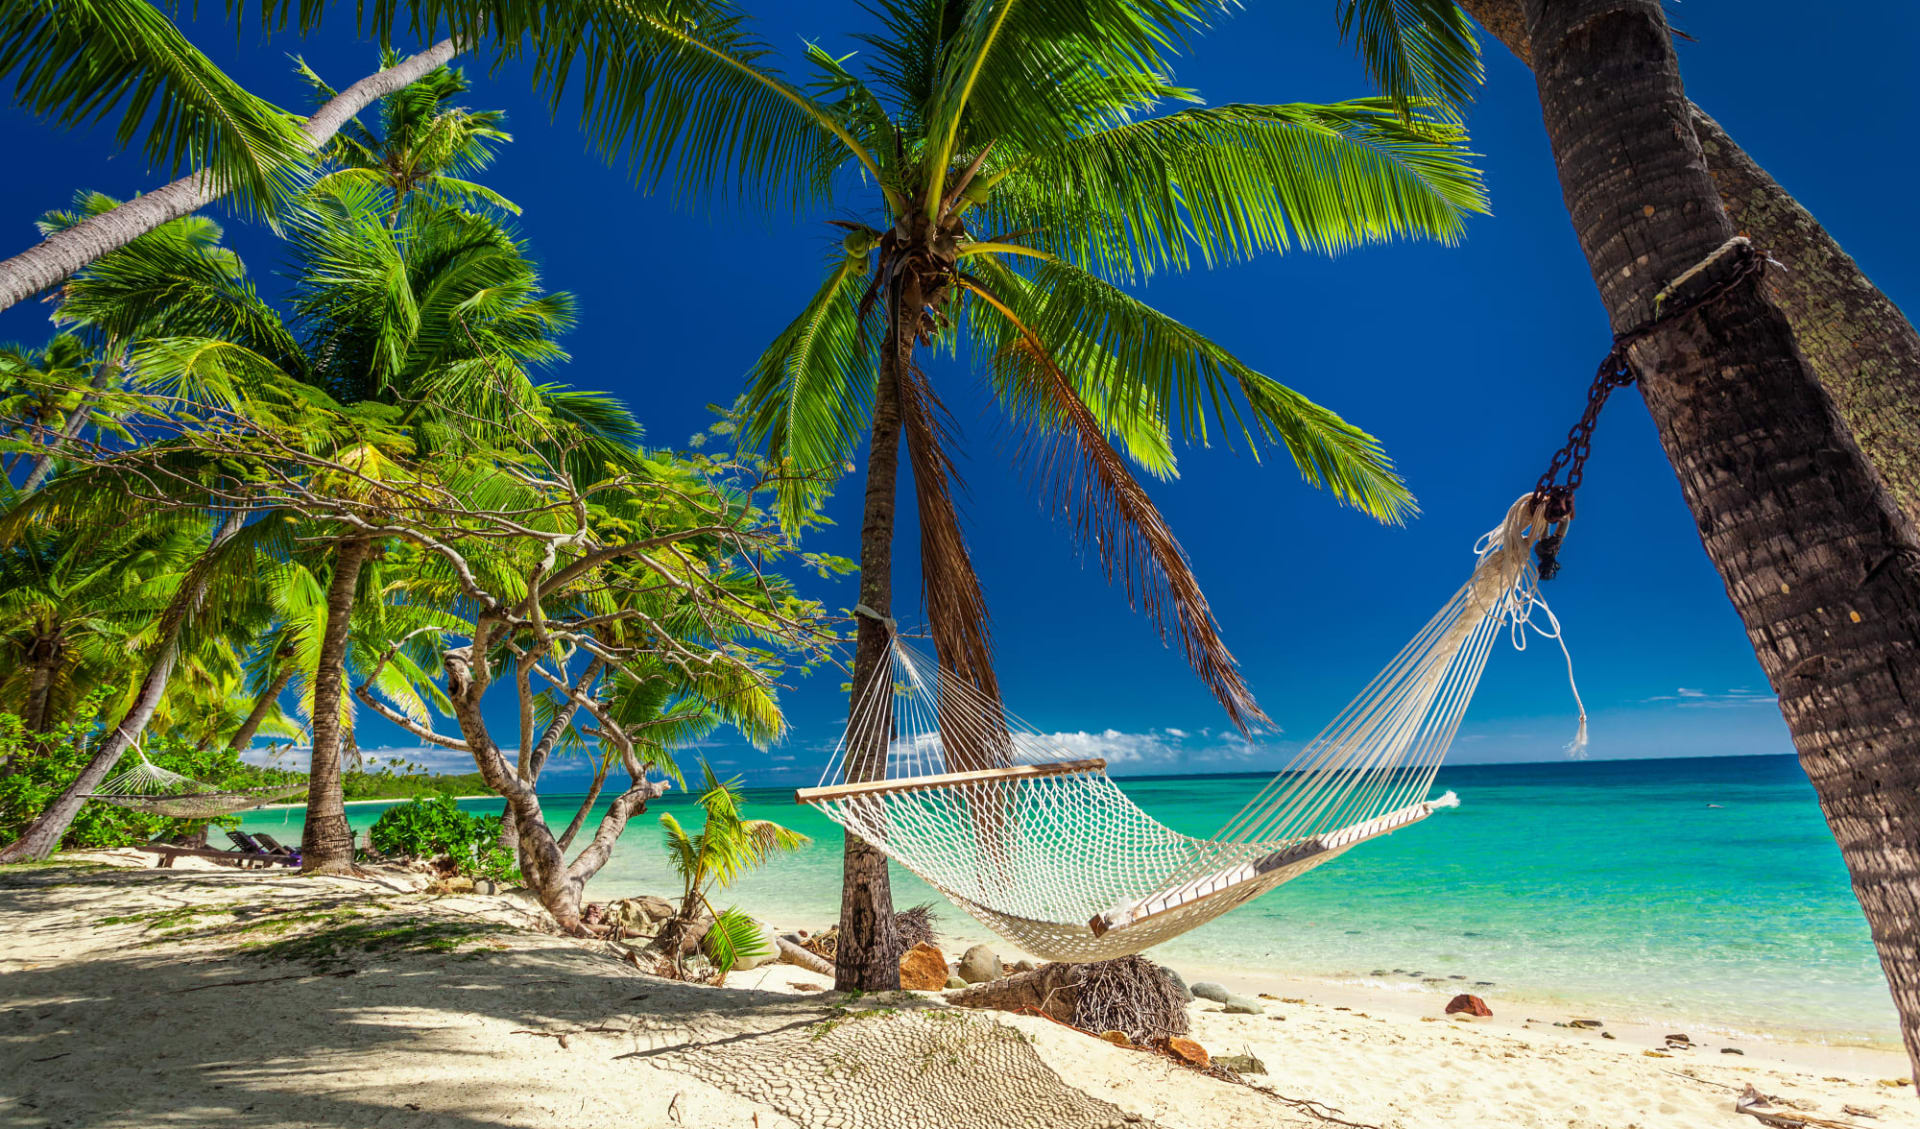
(434, 829)
(727, 846)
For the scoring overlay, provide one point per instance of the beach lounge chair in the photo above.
(246, 844)
(273, 846)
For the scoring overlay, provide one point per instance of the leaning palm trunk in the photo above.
(243, 737)
(56, 258)
(106, 374)
(1818, 558)
(42, 836)
(868, 958)
(326, 841)
(1864, 351)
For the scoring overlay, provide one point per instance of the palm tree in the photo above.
(1818, 558)
(1865, 352)
(1021, 169)
(725, 848)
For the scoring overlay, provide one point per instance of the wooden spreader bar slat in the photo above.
(945, 780)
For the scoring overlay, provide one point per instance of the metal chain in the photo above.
(1617, 371)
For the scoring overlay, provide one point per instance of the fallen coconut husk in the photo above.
(1128, 994)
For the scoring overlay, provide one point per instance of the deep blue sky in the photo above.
(1469, 362)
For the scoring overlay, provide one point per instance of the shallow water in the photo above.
(1702, 889)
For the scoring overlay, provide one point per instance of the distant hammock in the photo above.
(1052, 855)
(146, 787)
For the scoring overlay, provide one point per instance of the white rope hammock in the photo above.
(146, 787)
(1052, 855)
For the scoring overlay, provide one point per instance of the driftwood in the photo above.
(1758, 1106)
(792, 953)
(1129, 994)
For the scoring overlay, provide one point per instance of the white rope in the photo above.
(1066, 866)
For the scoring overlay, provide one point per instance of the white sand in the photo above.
(187, 1021)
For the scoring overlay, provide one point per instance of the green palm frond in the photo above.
(734, 937)
(1231, 182)
(81, 61)
(1420, 53)
(810, 394)
(1150, 360)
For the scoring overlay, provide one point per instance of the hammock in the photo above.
(1052, 855)
(146, 787)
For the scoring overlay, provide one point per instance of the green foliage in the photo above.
(436, 828)
(38, 766)
(732, 937)
(726, 847)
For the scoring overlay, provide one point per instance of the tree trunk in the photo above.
(1864, 351)
(1819, 560)
(868, 954)
(263, 705)
(537, 760)
(56, 258)
(105, 373)
(42, 836)
(45, 653)
(326, 842)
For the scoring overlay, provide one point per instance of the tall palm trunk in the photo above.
(42, 836)
(1818, 558)
(867, 955)
(56, 258)
(326, 842)
(1864, 351)
(263, 705)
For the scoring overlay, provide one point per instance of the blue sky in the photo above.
(1468, 362)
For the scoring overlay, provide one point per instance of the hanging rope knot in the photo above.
(886, 621)
(1555, 497)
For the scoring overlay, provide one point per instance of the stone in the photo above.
(640, 917)
(979, 965)
(954, 982)
(1241, 1005)
(1240, 1064)
(923, 968)
(459, 884)
(1731, 1051)
(1208, 990)
(1186, 993)
(1189, 1052)
(1023, 966)
(1606, 1034)
(769, 944)
(1679, 1039)
(1117, 1038)
(1464, 1004)
(485, 886)
(1589, 1023)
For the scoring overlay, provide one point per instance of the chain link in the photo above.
(1556, 494)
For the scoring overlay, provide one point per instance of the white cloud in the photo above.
(1687, 697)
(1177, 734)
(1164, 749)
(430, 757)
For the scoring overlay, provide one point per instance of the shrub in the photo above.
(436, 828)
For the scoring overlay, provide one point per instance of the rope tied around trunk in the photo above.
(1617, 371)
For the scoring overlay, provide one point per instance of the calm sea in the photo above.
(1701, 889)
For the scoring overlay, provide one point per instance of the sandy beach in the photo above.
(211, 997)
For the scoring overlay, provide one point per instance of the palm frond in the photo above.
(79, 61)
(1420, 53)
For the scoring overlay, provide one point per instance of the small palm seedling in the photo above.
(726, 848)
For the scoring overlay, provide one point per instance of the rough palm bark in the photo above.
(537, 760)
(326, 841)
(56, 258)
(44, 654)
(42, 836)
(263, 705)
(1864, 351)
(868, 956)
(1821, 563)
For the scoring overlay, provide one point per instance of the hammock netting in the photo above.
(146, 787)
(1048, 851)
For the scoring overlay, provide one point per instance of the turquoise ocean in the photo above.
(1707, 890)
